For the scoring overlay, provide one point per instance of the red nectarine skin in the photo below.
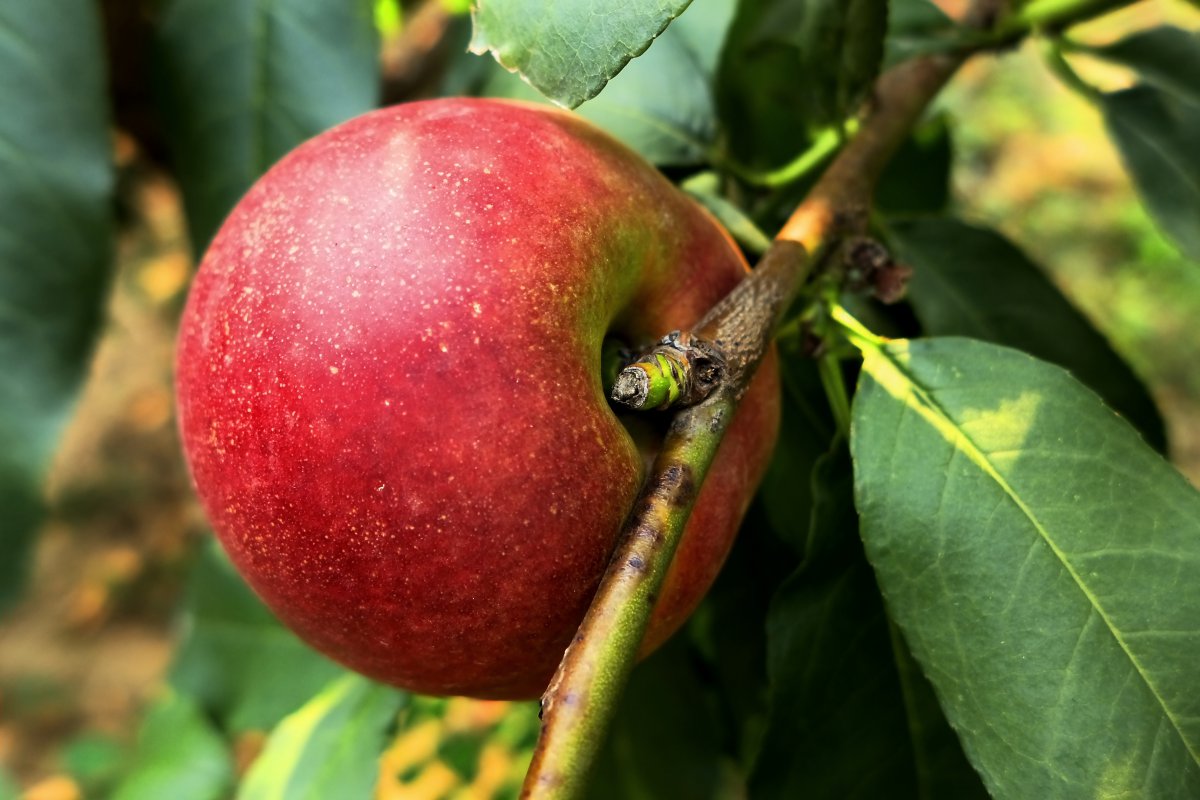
(389, 387)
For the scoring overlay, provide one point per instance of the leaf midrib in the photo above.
(939, 418)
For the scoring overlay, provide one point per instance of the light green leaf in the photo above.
(661, 105)
(1043, 564)
(971, 281)
(236, 659)
(569, 51)
(56, 182)
(1166, 57)
(245, 81)
(178, 755)
(94, 761)
(8, 789)
(1157, 135)
(329, 748)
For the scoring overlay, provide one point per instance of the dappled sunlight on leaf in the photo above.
(1042, 562)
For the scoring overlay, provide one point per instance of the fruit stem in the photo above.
(681, 370)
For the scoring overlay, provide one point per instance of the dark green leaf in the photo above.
(846, 721)
(237, 660)
(1157, 135)
(942, 767)
(971, 281)
(245, 81)
(664, 741)
(1166, 57)
(56, 182)
(806, 429)
(793, 67)
(729, 627)
(569, 51)
(730, 634)
(661, 105)
(1043, 564)
(917, 179)
(329, 748)
(178, 755)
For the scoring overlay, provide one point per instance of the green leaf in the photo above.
(916, 27)
(329, 748)
(56, 242)
(8, 789)
(661, 105)
(793, 67)
(805, 432)
(237, 660)
(846, 720)
(917, 179)
(95, 761)
(729, 628)
(1043, 564)
(245, 81)
(569, 51)
(1157, 135)
(729, 631)
(704, 188)
(943, 770)
(971, 281)
(664, 742)
(1166, 57)
(178, 755)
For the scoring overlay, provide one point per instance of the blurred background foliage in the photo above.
(101, 673)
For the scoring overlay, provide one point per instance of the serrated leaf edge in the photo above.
(480, 45)
(885, 370)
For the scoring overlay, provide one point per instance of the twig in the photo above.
(581, 699)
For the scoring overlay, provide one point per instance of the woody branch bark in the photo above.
(580, 702)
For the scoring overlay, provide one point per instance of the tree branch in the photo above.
(581, 700)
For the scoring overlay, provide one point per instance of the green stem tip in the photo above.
(681, 370)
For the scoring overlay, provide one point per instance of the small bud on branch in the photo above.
(679, 371)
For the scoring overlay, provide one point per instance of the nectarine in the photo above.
(390, 395)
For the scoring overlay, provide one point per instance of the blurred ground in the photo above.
(84, 652)
(81, 656)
